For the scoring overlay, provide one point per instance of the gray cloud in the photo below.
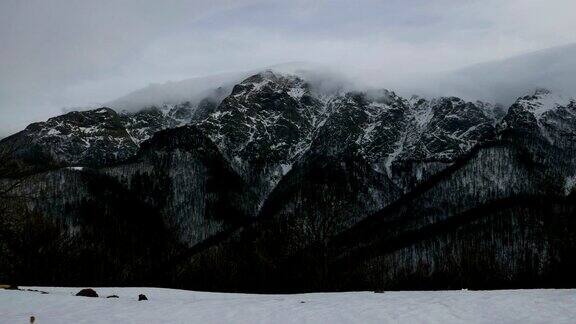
(503, 81)
(58, 53)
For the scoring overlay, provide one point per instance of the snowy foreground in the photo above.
(179, 306)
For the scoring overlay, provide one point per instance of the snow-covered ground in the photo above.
(179, 306)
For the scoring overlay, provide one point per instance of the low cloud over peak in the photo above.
(65, 53)
(505, 80)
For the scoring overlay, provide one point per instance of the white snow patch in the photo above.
(424, 116)
(399, 147)
(285, 168)
(546, 101)
(180, 306)
(90, 129)
(296, 93)
(218, 114)
(52, 132)
(569, 184)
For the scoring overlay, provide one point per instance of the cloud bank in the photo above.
(65, 53)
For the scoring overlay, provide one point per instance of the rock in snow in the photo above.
(87, 292)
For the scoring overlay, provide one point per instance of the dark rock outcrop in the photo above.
(87, 292)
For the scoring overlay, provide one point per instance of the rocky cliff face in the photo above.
(278, 176)
(96, 137)
(93, 137)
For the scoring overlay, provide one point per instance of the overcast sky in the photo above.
(58, 54)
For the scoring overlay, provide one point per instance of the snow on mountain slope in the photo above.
(268, 116)
(87, 137)
(389, 131)
(271, 119)
(179, 306)
(264, 125)
(544, 114)
(543, 101)
(444, 128)
(99, 136)
(141, 125)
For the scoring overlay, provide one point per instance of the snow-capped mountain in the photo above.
(88, 137)
(271, 120)
(278, 171)
(143, 124)
(545, 114)
(96, 137)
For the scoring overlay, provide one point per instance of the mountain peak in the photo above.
(542, 92)
(542, 101)
(269, 87)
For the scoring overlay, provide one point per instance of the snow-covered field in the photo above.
(179, 306)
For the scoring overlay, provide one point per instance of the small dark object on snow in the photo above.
(87, 292)
(379, 291)
(302, 302)
(142, 297)
(32, 319)
(112, 296)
